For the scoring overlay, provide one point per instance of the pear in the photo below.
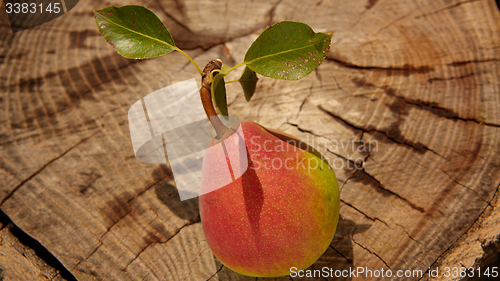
(281, 213)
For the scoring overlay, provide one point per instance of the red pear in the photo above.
(282, 212)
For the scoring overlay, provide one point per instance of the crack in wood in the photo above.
(153, 242)
(431, 80)
(304, 101)
(33, 244)
(207, 45)
(405, 69)
(197, 220)
(373, 253)
(315, 135)
(431, 107)
(416, 146)
(199, 255)
(364, 162)
(370, 4)
(271, 12)
(342, 255)
(380, 186)
(144, 191)
(465, 232)
(408, 234)
(367, 216)
(446, 8)
(463, 185)
(19, 185)
(378, 183)
(261, 106)
(338, 85)
(129, 210)
(315, 269)
(89, 255)
(393, 22)
(137, 256)
(216, 272)
(345, 182)
(180, 6)
(345, 158)
(461, 63)
(322, 136)
(158, 3)
(318, 76)
(235, 99)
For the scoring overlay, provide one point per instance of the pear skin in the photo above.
(281, 213)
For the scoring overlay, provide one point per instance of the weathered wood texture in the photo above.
(419, 79)
(19, 262)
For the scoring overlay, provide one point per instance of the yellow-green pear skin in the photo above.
(281, 213)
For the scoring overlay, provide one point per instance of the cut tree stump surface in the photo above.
(20, 262)
(416, 80)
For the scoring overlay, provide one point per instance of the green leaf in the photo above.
(224, 70)
(248, 81)
(219, 94)
(287, 50)
(134, 31)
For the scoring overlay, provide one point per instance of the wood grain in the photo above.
(20, 262)
(419, 80)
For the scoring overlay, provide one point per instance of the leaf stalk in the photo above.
(236, 66)
(194, 63)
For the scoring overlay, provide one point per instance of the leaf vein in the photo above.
(279, 53)
(144, 35)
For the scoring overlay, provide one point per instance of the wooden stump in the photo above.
(20, 261)
(406, 108)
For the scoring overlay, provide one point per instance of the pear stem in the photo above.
(206, 97)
